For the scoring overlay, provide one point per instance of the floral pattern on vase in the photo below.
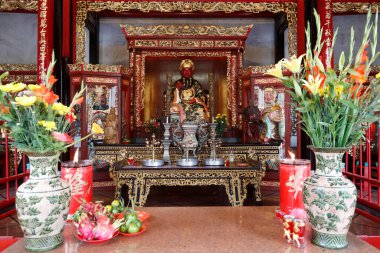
(42, 203)
(330, 199)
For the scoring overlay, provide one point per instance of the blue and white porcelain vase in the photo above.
(330, 199)
(42, 203)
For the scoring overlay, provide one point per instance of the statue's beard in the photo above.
(187, 81)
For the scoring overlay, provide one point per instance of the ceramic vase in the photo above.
(330, 199)
(42, 203)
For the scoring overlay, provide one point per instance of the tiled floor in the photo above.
(195, 196)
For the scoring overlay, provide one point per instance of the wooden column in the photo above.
(301, 37)
(45, 36)
(326, 13)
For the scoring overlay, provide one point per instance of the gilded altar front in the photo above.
(139, 179)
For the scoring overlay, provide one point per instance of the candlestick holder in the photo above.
(214, 144)
(187, 160)
(152, 162)
(166, 143)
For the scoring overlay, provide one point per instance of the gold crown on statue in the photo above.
(187, 63)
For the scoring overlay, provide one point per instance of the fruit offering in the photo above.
(132, 224)
(117, 206)
(95, 222)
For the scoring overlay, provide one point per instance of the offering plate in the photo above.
(153, 163)
(187, 162)
(214, 162)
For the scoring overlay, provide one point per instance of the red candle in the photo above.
(79, 176)
(292, 175)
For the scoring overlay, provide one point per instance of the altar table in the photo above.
(202, 229)
(139, 180)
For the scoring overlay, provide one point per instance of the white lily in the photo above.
(276, 71)
(313, 84)
(294, 65)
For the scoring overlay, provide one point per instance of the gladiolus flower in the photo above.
(276, 71)
(45, 94)
(64, 137)
(96, 129)
(49, 125)
(70, 117)
(78, 101)
(378, 75)
(4, 109)
(60, 108)
(321, 75)
(52, 79)
(356, 88)
(359, 78)
(294, 65)
(26, 101)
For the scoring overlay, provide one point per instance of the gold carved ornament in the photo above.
(186, 30)
(98, 68)
(362, 7)
(11, 5)
(234, 180)
(115, 153)
(181, 6)
(18, 67)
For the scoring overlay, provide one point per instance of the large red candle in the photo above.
(79, 176)
(292, 175)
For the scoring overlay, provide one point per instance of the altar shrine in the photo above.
(170, 95)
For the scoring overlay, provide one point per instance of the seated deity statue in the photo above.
(273, 117)
(188, 98)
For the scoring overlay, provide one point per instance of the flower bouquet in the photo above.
(221, 121)
(154, 126)
(335, 108)
(335, 105)
(36, 121)
(40, 126)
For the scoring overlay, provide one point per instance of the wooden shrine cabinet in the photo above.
(257, 89)
(108, 89)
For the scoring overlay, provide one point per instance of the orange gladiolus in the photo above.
(360, 77)
(78, 101)
(4, 109)
(354, 88)
(70, 117)
(46, 95)
(52, 79)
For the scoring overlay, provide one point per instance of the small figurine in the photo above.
(111, 128)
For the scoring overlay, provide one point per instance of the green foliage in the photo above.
(335, 105)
